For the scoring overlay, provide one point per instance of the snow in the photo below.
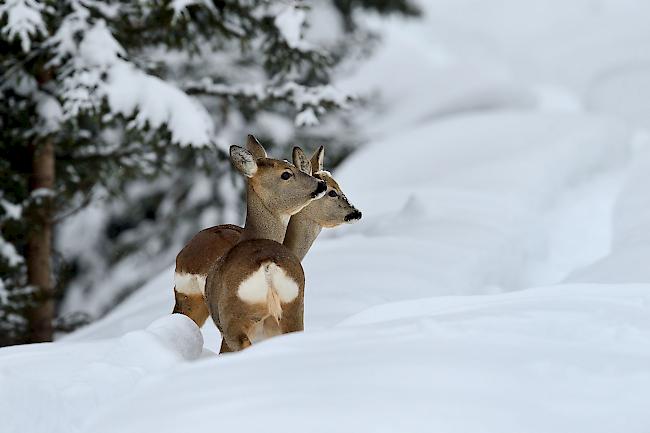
(9, 253)
(82, 377)
(306, 117)
(630, 246)
(290, 23)
(50, 113)
(127, 89)
(304, 98)
(24, 21)
(496, 283)
(12, 210)
(180, 6)
(158, 104)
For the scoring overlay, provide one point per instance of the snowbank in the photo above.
(58, 386)
(630, 250)
(545, 360)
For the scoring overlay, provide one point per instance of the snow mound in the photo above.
(535, 361)
(179, 334)
(73, 380)
(630, 248)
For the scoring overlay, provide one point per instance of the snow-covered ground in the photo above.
(498, 281)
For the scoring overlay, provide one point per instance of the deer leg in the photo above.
(234, 345)
(234, 341)
(193, 306)
(292, 319)
(224, 347)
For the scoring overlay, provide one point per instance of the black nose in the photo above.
(353, 216)
(322, 186)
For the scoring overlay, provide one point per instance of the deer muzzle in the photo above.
(353, 216)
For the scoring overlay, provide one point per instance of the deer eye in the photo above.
(332, 193)
(286, 175)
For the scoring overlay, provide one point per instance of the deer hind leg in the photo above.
(192, 305)
(254, 332)
(234, 343)
(292, 320)
(241, 332)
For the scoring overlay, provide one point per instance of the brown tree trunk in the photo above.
(39, 243)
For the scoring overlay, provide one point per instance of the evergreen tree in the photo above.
(134, 102)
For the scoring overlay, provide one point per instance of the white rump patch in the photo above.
(253, 289)
(268, 285)
(286, 288)
(189, 284)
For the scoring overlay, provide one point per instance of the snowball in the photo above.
(180, 333)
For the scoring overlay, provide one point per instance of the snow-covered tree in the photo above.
(131, 104)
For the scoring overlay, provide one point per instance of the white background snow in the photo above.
(498, 281)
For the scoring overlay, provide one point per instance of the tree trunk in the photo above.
(39, 243)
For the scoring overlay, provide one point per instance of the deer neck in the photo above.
(261, 223)
(302, 231)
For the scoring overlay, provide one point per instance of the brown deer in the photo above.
(256, 290)
(207, 246)
(275, 191)
(330, 211)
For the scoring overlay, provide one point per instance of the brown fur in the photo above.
(193, 306)
(197, 257)
(206, 247)
(237, 319)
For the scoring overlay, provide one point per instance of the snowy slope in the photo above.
(497, 282)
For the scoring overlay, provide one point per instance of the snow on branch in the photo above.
(308, 100)
(180, 6)
(10, 210)
(8, 252)
(97, 70)
(290, 23)
(157, 103)
(24, 21)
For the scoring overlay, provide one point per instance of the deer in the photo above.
(194, 261)
(256, 290)
(330, 211)
(276, 190)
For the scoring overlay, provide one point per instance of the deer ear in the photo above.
(255, 147)
(317, 159)
(300, 160)
(243, 161)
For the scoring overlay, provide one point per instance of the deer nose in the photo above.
(320, 190)
(353, 216)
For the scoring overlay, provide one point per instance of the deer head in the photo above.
(281, 187)
(333, 208)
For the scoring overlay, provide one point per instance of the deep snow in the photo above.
(497, 282)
